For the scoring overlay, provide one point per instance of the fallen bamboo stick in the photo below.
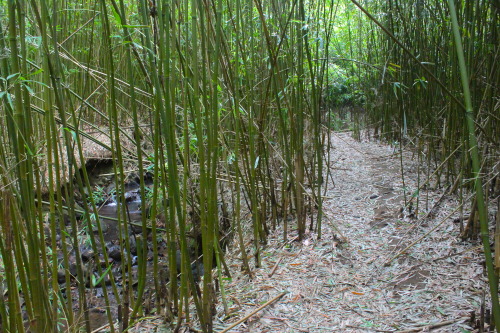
(254, 312)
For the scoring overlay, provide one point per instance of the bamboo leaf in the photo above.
(138, 26)
(98, 281)
(12, 75)
(117, 17)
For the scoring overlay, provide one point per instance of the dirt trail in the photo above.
(340, 283)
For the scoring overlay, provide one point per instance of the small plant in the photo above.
(99, 195)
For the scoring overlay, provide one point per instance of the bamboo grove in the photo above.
(222, 93)
(227, 106)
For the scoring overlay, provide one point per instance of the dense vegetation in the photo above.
(227, 107)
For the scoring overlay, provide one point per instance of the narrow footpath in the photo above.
(361, 277)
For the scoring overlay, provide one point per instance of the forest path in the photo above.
(339, 283)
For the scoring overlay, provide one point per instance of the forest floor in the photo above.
(378, 266)
(341, 283)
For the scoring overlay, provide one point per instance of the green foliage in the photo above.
(192, 140)
(343, 89)
(335, 123)
(99, 195)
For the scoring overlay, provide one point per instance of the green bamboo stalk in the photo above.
(7, 248)
(476, 167)
(237, 139)
(35, 295)
(118, 170)
(44, 19)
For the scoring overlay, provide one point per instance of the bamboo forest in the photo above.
(249, 166)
